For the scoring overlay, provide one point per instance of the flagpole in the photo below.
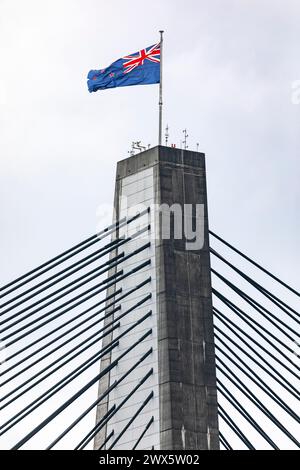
(160, 103)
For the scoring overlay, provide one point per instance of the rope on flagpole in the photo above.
(160, 103)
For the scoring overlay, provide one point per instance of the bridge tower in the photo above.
(168, 398)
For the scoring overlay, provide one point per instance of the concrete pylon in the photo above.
(183, 409)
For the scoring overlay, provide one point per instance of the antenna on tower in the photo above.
(197, 145)
(185, 139)
(131, 151)
(167, 135)
(138, 146)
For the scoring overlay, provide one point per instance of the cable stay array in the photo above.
(94, 302)
(256, 342)
(59, 320)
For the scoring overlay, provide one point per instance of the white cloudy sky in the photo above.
(229, 67)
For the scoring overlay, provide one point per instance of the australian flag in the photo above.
(140, 68)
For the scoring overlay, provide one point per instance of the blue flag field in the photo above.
(140, 68)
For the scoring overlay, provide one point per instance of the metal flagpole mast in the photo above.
(160, 103)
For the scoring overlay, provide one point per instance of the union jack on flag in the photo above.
(140, 68)
(133, 61)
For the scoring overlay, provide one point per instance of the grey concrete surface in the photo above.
(187, 374)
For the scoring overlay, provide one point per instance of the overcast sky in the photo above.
(229, 69)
